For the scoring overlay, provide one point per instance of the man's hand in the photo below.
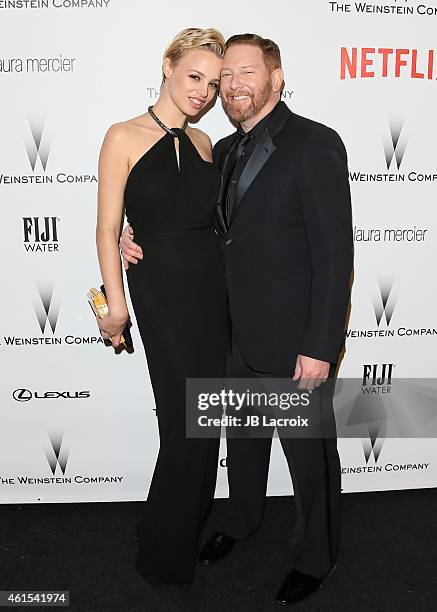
(311, 372)
(130, 251)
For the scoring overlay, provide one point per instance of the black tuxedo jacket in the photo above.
(289, 249)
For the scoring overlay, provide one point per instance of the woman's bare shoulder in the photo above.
(124, 134)
(130, 127)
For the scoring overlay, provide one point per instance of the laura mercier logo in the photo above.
(37, 64)
(392, 235)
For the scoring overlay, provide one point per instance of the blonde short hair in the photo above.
(194, 38)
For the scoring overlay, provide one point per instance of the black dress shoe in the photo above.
(217, 547)
(296, 587)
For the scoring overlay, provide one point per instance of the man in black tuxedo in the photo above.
(285, 229)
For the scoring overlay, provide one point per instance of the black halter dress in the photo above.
(178, 295)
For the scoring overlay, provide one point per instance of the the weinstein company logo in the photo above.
(383, 304)
(46, 308)
(373, 445)
(377, 380)
(394, 144)
(383, 8)
(38, 145)
(394, 147)
(57, 454)
(57, 4)
(155, 92)
(372, 410)
(369, 408)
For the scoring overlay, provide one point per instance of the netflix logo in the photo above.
(386, 62)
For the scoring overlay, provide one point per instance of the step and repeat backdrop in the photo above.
(77, 420)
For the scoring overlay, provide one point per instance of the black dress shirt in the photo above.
(238, 158)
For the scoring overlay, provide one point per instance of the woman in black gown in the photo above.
(162, 171)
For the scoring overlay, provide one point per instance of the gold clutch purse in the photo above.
(99, 305)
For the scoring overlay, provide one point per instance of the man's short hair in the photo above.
(271, 53)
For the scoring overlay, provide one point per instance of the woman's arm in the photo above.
(113, 172)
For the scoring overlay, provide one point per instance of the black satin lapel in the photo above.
(219, 214)
(259, 157)
(221, 226)
(223, 170)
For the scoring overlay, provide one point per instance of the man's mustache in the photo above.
(236, 95)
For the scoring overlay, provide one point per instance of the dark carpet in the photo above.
(388, 558)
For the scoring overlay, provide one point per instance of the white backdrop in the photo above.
(68, 70)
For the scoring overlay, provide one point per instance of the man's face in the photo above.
(246, 83)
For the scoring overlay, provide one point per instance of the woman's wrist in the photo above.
(119, 313)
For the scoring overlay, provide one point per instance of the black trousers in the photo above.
(315, 471)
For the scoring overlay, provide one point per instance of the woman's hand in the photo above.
(111, 326)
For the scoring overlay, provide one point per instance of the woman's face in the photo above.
(193, 81)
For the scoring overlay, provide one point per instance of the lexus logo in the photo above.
(37, 146)
(395, 146)
(22, 395)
